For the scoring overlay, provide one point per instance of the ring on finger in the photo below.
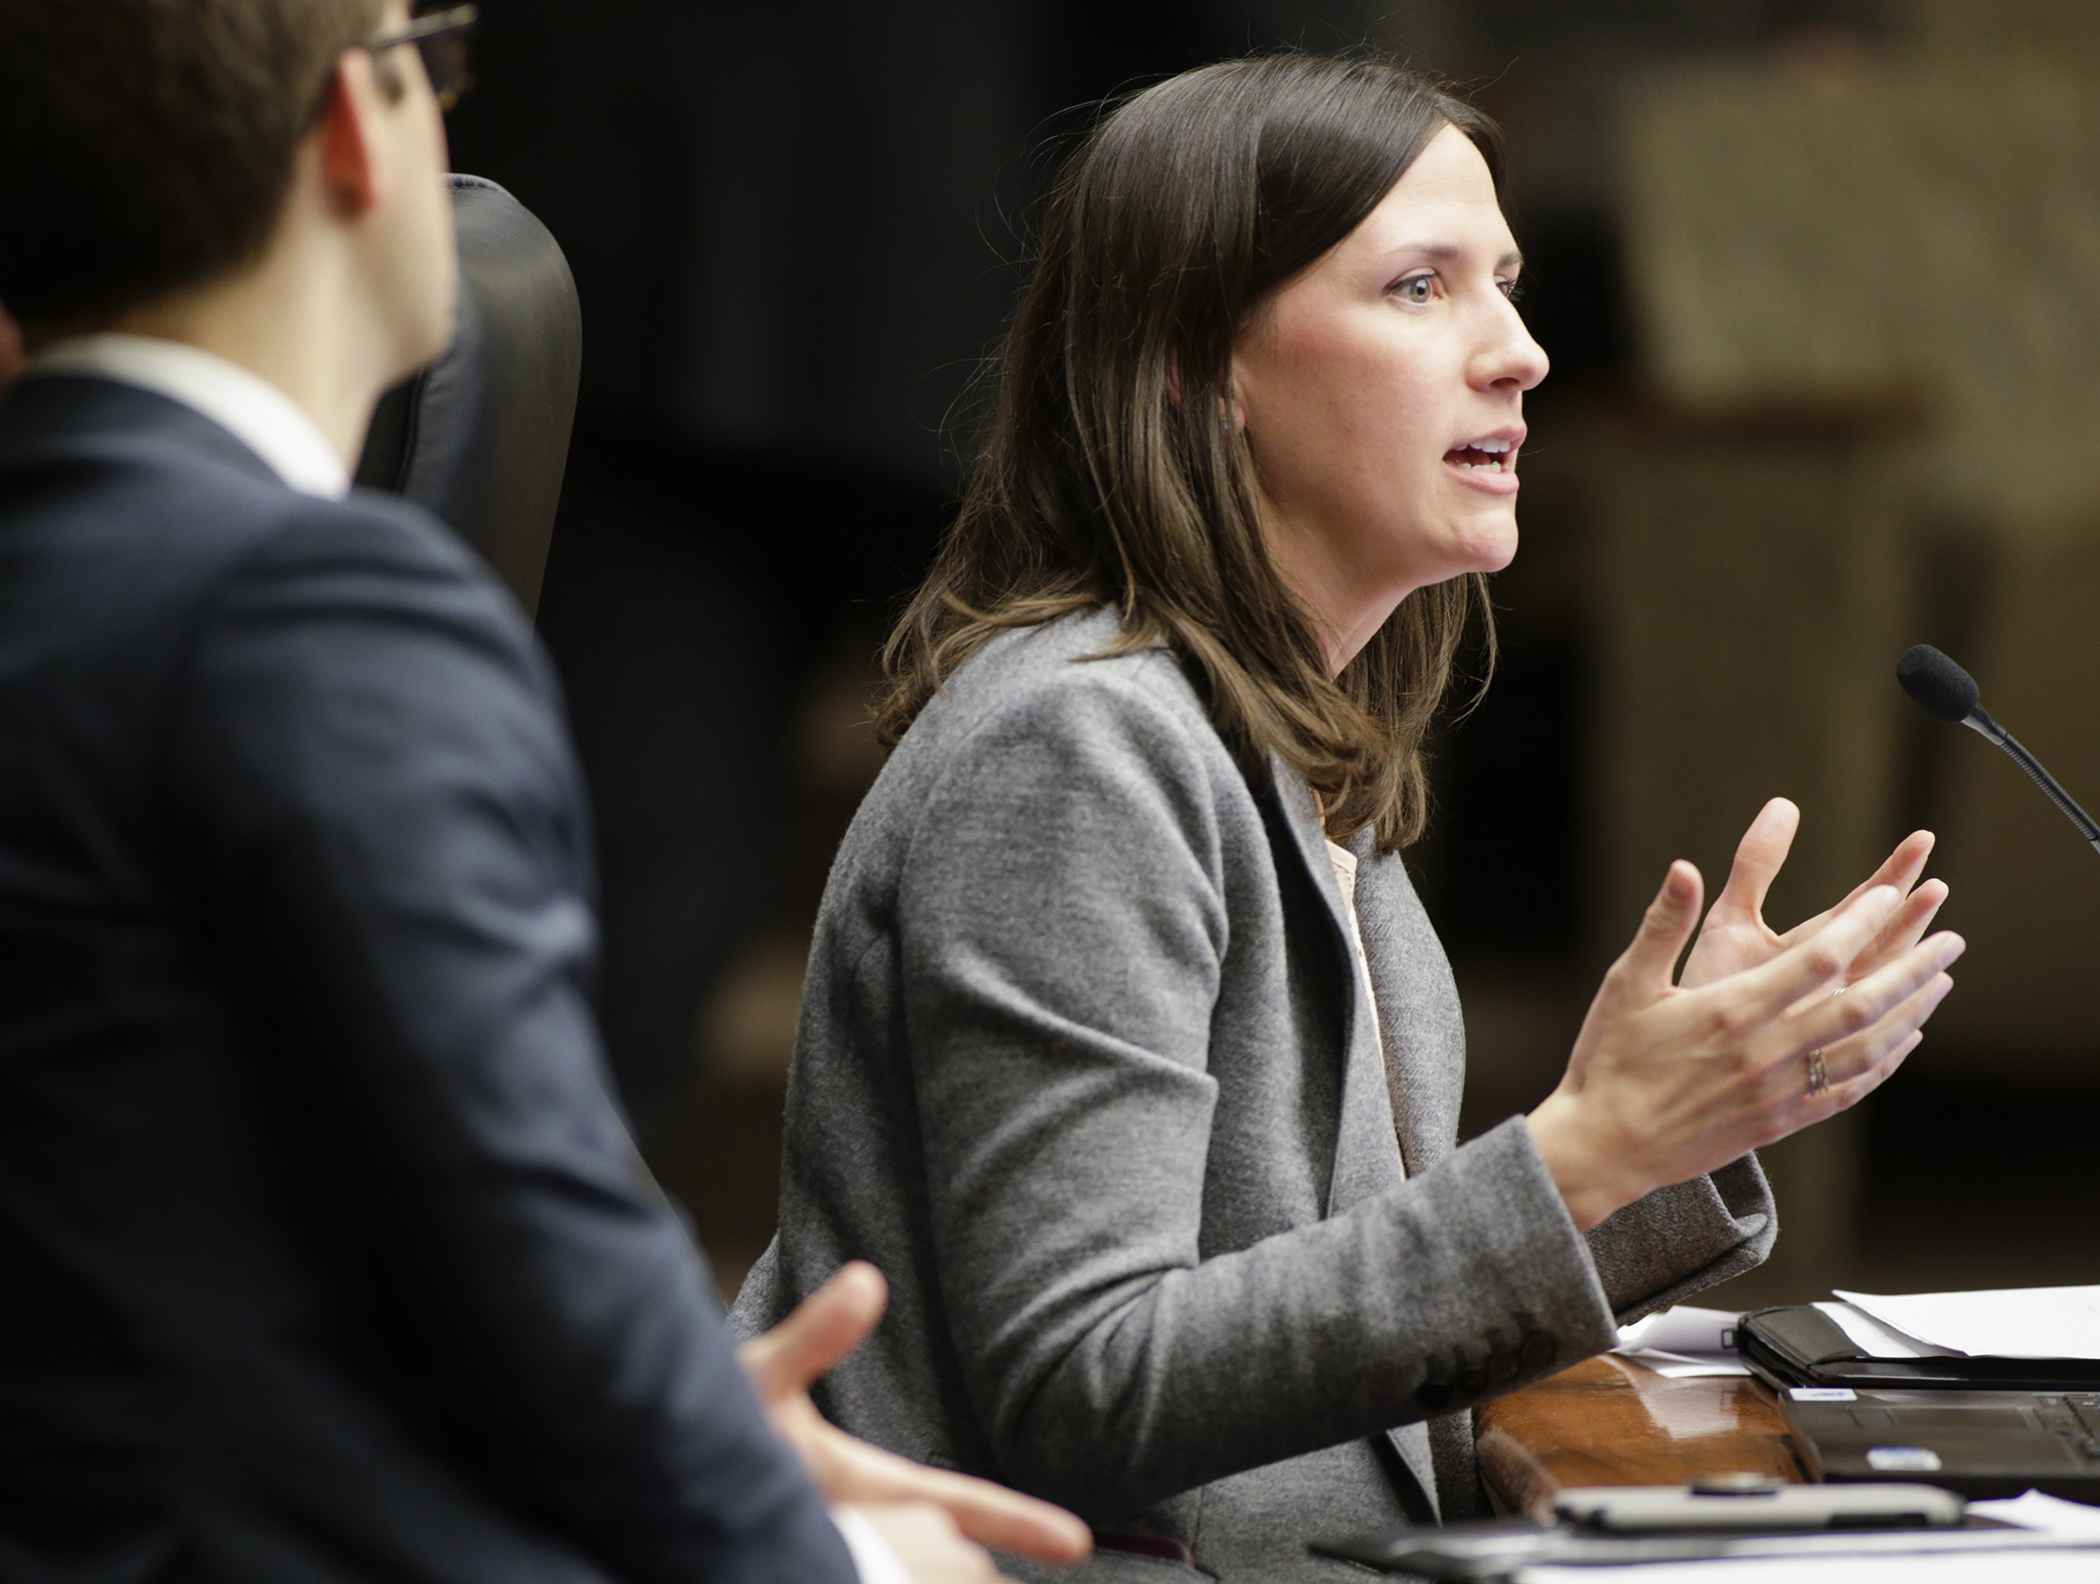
(1818, 1074)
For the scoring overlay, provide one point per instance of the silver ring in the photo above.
(1818, 1074)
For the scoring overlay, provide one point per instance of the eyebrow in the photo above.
(1444, 252)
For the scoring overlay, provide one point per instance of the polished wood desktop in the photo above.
(1610, 1422)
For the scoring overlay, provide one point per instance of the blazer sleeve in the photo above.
(1063, 929)
(383, 828)
(1671, 1243)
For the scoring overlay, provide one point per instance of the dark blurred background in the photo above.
(1821, 284)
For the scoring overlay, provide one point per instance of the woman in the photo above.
(1127, 1051)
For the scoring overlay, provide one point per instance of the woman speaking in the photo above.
(1127, 1051)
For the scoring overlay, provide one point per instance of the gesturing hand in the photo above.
(824, 1328)
(1666, 1083)
(1735, 935)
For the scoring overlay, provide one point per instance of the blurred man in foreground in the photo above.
(325, 1252)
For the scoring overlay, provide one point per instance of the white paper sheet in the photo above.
(1683, 1343)
(2067, 1520)
(2026, 1567)
(1875, 1339)
(1684, 1328)
(2049, 1515)
(2014, 1322)
(1680, 1366)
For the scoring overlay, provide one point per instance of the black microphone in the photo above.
(1947, 693)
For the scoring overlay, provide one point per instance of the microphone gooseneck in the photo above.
(1949, 694)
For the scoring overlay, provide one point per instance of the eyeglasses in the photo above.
(441, 39)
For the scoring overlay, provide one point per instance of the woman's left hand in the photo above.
(1735, 935)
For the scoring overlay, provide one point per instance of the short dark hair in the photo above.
(147, 145)
(1106, 476)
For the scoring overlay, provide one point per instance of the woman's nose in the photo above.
(1510, 360)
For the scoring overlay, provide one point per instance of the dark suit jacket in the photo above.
(324, 1252)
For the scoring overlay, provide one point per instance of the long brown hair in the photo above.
(1107, 475)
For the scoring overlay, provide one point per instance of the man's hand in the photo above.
(1735, 935)
(927, 1542)
(828, 1325)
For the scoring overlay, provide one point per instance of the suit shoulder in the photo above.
(386, 568)
(118, 501)
(368, 529)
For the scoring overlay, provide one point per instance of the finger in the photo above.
(1759, 856)
(1646, 966)
(1856, 1067)
(990, 1514)
(1820, 961)
(1877, 1002)
(926, 1543)
(1866, 1051)
(1900, 869)
(1848, 1094)
(1006, 1520)
(1862, 1078)
(1905, 928)
(1845, 1061)
(827, 1325)
(1877, 1072)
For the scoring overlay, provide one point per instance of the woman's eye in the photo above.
(1417, 289)
(1512, 289)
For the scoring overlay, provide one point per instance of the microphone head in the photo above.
(1936, 684)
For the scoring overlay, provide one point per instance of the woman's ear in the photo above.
(1229, 414)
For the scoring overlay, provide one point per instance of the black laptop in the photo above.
(1979, 1443)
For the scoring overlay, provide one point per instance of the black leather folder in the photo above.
(1802, 1346)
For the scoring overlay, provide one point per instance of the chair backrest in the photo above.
(481, 436)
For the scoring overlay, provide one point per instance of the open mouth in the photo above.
(1493, 455)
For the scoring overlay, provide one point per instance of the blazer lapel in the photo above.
(1425, 1035)
(1366, 1154)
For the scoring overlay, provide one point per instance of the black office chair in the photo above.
(481, 436)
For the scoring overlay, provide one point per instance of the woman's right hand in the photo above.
(1666, 1084)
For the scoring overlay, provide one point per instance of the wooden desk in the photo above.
(1608, 1422)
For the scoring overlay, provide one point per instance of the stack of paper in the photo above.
(2013, 1322)
(1683, 1342)
(1873, 1337)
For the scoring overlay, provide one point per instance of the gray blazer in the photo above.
(1085, 1067)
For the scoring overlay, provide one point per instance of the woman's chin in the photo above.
(1488, 543)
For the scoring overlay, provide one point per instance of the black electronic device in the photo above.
(1754, 1504)
(1799, 1345)
(1947, 693)
(1477, 1553)
(1979, 1443)
(1725, 1515)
